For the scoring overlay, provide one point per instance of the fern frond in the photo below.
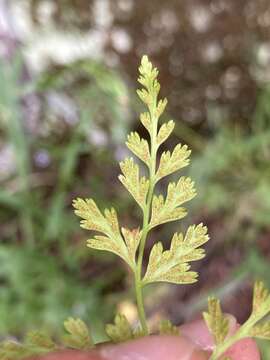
(254, 326)
(169, 265)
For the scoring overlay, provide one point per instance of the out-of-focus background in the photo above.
(68, 72)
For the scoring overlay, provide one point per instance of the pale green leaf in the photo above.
(93, 219)
(40, 340)
(172, 162)
(167, 328)
(11, 350)
(261, 298)
(107, 224)
(36, 343)
(261, 331)
(104, 243)
(132, 239)
(196, 236)
(139, 147)
(217, 322)
(169, 210)
(146, 121)
(78, 334)
(162, 214)
(144, 96)
(164, 132)
(138, 187)
(172, 265)
(161, 107)
(120, 330)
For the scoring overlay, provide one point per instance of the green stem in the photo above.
(138, 273)
(146, 229)
(139, 298)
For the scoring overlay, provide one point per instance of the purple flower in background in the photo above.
(42, 158)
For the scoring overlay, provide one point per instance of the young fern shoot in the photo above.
(255, 326)
(164, 265)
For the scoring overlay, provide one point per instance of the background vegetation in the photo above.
(67, 96)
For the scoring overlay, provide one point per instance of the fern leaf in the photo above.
(167, 328)
(261, 298)
(170, 210)
(11, 350)
(78, 334)
(40, 340)
(139, 147)
(132, 239)
(161, 107)
(172, 162)
(36, 343)
(217, 323)
(138, 187)
(107, 224)
(146, 121)
(120, 330)
(261, 331)
(172, 265)
(164, 132)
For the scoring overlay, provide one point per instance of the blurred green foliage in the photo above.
(44, 265)
(234, 176)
